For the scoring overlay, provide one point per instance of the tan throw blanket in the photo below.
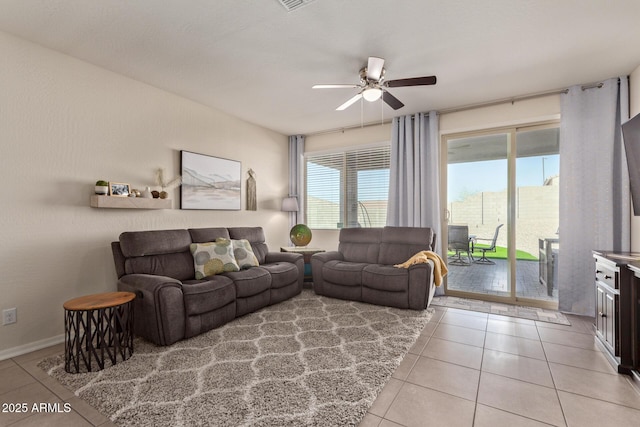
(439, 267)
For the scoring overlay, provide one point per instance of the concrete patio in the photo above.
(492, 280)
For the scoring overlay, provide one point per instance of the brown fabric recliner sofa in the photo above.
(172, 305)
(362, 269)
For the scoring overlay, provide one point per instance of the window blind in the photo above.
(347, 188)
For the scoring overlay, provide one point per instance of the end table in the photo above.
(96, 326)
(306, 254)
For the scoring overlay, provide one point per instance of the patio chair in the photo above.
(459, 243)
(491, 248)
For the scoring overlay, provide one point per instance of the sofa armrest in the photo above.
(291, 257)
(159, 314)
(421, 285)
(327, 256)
(147, 282)
(317, 263)
(282, 257)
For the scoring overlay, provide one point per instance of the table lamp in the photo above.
(300, 234)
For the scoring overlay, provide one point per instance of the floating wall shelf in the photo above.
(129, 202)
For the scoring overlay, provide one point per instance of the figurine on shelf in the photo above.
(166, 185)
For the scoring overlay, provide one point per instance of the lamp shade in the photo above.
(290, 204)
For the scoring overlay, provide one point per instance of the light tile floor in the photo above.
(478, 369)
(466, 369)
(511, 310)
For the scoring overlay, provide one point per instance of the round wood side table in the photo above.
(98, 328)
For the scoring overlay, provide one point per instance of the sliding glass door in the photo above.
(502, 214)
(477, 179)
(537, 205)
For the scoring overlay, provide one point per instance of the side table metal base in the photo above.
(94, 337)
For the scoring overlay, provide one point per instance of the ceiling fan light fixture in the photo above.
(372, 94)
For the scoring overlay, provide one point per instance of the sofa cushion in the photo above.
(360, 244)
(208, 295)
(213, 258)
(250, 282)
(178, 265)
(255, 236)
(282, 273)
(398, 244)
(243, 253)
(385, 278)
(203, 235)
(343, 272)
(143, 243)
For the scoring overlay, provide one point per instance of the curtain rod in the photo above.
(466, 107)
(511, 100)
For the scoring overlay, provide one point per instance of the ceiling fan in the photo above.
(373, 86)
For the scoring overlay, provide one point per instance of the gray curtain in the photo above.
(594, 187)
(296, 177)
(414, 182)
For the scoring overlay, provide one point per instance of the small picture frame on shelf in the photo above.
(119, 189)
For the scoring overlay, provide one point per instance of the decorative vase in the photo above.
(147, 193)
(300, 235)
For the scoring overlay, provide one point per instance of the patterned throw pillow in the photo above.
(244, 254)
(213, 258)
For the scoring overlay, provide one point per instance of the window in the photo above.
(347, 188)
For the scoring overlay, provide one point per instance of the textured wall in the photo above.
(65, 124)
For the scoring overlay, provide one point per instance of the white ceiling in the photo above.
(256, 61)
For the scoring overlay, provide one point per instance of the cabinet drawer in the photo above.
(606, 275)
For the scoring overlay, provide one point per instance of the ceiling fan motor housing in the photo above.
(364, 80)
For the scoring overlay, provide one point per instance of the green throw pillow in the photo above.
(213, 258)
(244, 254)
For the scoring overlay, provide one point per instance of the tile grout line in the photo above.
(404, 381)
(553, 380)
(53, 392)
(484, 344)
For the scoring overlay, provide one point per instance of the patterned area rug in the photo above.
(310, 360)
(522, 312)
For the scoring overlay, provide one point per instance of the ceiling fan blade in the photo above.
(334, 86)
(415, 81)
(374, 68)
(349, 102)
(391, 100)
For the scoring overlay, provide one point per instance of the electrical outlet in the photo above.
(9, 316)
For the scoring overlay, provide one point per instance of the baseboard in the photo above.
(28, 348)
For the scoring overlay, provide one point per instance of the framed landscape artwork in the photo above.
(209, 182)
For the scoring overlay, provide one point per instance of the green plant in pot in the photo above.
(102, 187)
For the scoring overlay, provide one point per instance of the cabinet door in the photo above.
(601, 310)
(610, 322)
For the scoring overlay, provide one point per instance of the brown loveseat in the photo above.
(172, 304)
(362, 269)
